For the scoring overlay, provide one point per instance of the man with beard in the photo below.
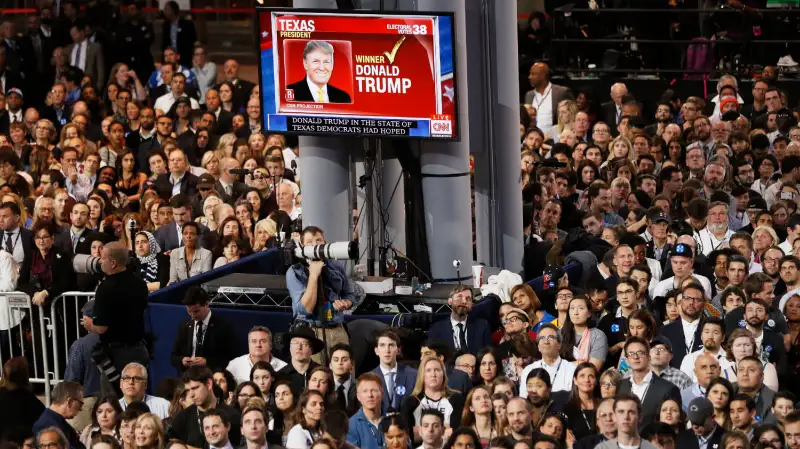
(712, 336)
(758, 107)
(606, 428)
(549, 219)
(771, 343)
(772, 268)
(716, 233)
(592, 223)
(706, 367)
(663, 118)
(643, 383)
(519, 414)
(600, 202)
(703, 138)
(685, 333)
(460, 332)
(713, 177)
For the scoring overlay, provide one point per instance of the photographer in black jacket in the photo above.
(120, 302)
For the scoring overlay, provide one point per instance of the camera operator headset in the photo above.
(321, 290)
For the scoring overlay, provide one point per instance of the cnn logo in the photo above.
(441, 128)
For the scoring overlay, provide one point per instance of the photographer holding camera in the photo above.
(120, 302)
(321, 292)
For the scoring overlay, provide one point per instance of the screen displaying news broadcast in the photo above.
(357, 73)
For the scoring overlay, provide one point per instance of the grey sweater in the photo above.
(612, 444)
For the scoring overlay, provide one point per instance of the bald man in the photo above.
(612, 110)
(241, 88)
(545, 96)
(706, 367)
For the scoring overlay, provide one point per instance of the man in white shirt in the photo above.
(712, 334)
(259, 345)
(716, 233)
(561, 371)
(14, 101)
(133, 384)
(792, 232)
(177, 90)
(286, 201)
(78, 186)
(650, 389)
(682, 261)
(215, 428)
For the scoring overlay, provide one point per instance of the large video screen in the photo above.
(357, 73)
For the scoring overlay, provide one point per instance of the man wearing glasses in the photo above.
(54, 432)
(685, 334)
(133, 384)
(651, 389)
(561, 371)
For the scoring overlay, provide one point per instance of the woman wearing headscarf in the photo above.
(153, 265)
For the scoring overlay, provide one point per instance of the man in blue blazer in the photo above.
(398, 380)
(460, 332)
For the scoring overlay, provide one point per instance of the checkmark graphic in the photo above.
(396, 47)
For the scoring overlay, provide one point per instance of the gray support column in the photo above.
(480, 142)
(324, 163)
(447, 199)
(503, 65)
(394, 198)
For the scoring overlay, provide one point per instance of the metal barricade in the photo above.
(65, 325)
(22, 334)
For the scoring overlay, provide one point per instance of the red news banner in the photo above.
(381, 66)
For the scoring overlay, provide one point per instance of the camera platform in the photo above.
(435, 297)
(250, 290)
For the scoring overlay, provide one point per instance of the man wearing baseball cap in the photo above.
(656, 235)
(704, 432)
(682, 262)
(14, 101)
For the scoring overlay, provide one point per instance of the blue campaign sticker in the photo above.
(771, 323)
(400, 390)
(742, 324)
(768, 348)
(615, 328)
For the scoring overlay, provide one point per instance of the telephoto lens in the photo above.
(86, 264)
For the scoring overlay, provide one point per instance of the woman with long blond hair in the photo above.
(148, 432)
(565, 115)
(431, 391)
(479, 415)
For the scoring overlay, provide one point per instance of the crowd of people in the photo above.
(680, 330)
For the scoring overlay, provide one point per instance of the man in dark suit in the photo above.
(85, 55)
(14, 239)
(58, 112)
(460, 332)
(228, 188)
(178, 32)
(241, 88)
(690, 306)
(344, 384)
(13, 112)
(78, 241)
(545, 95)
(318, 62)
(651, 389)
(179, 180)
(223, 117)
(8, 78)
(612, 110)
(398, 380)
(204, 338)
(169, 236)
(703, 426)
